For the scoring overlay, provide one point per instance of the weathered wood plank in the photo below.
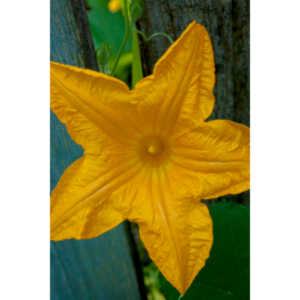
(101, 268)
(227, 22)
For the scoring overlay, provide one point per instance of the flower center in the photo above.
(153, 150)
(154, 147)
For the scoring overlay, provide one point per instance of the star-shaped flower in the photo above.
(149, 156)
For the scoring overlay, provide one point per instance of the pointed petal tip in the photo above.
(195, 25)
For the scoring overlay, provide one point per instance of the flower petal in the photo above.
(212, 160)
(181, 87)
(89, 103)
(80, 203)
(177, 234)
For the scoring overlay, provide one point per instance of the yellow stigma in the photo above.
(154, 147)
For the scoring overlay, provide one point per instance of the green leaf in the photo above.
(103, 53)
(106, 26)
(226, 273)
(109, 28)
(136, 10)
(123, 70)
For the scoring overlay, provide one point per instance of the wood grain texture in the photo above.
(227, 22)
(102, 268)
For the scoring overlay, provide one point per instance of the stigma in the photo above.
(154, 146)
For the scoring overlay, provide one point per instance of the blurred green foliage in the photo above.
(136, 9)
(108, 27)
(151, 280)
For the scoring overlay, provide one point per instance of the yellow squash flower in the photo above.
(114, 5)
(149, 156)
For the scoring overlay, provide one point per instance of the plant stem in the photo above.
(147, 39)
(125, 39)
(161, 34)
